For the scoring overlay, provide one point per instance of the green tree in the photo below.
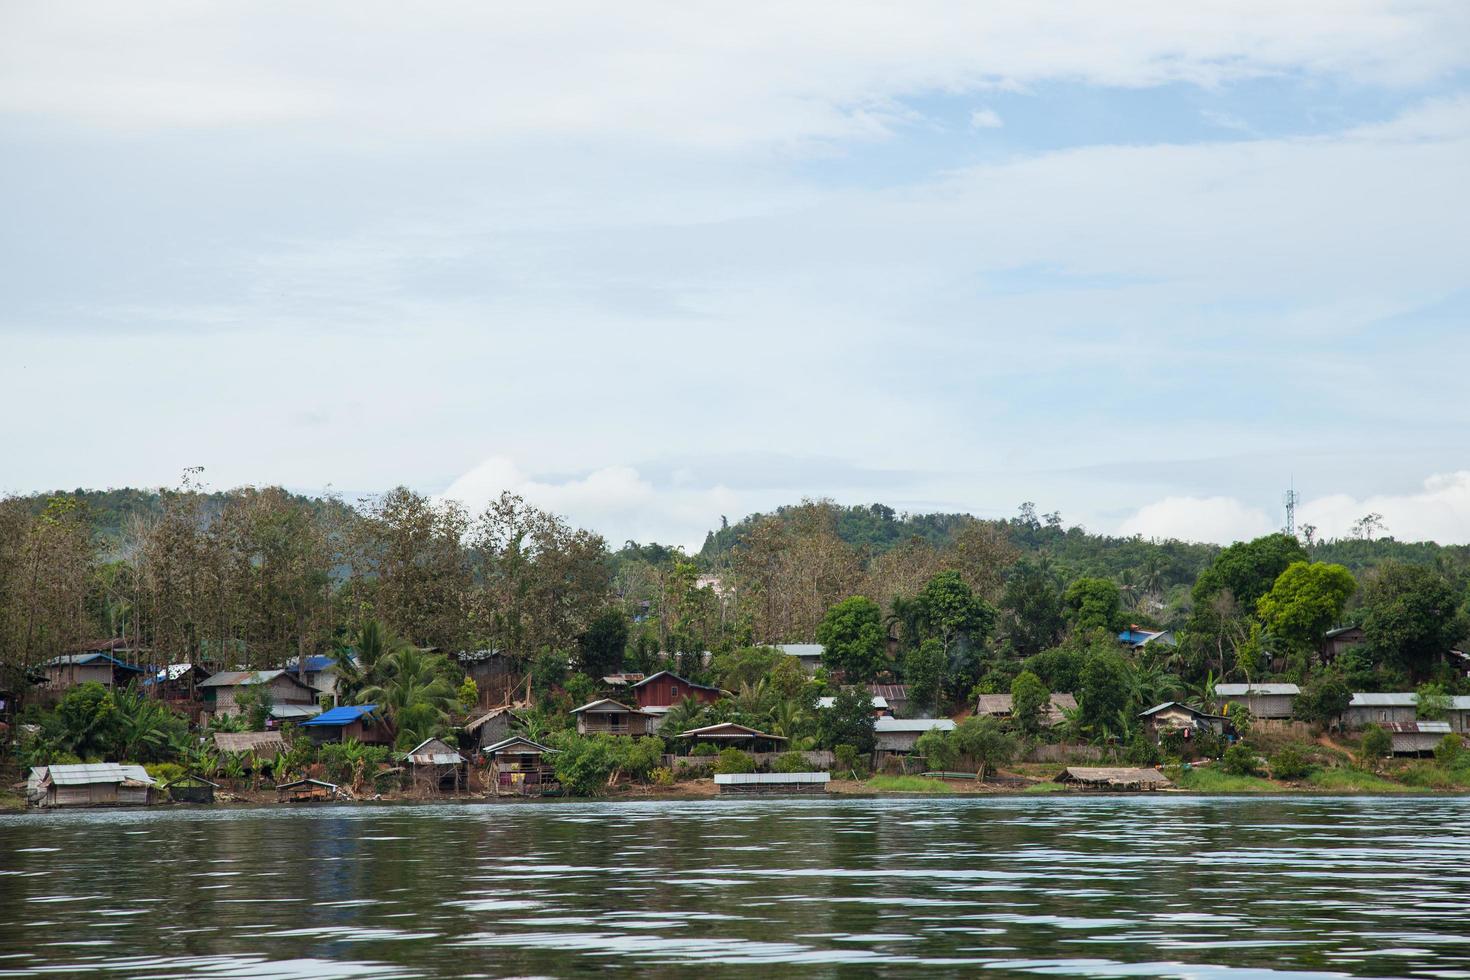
(256, 703)
(1433, 702)
(849, 721)
(1248, 569)
(1029, 701)
(1323, 700)
(853, 640)
(416, 694)
(982, 740)
(1094, 603)
(1059, 668)
(1411, 616)
(601, 646)
(1103, 695)
(1035, 615)
(923, 671)
(1377, 744)
(1304, 602)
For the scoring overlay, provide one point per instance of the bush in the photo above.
(847, 760)
(164, 771)
(1208, 745)
(734, 760)
(1141, 751)
(1290, 764)
(1377, 744)
(791, 762)
(704, 748)
(1450, 752)
(685, 772)
(663, 776)
(1240, 760)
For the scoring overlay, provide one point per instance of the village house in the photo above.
(897, 696)
(1420, 737)
(520, 767)
(1261, 700)
(1381, 708)
(1136, 638)
(357, 721)
(809, 654)
(176, 682)
(1337, 641)
(222, 690)
(321, 672)
(433, 763)
(661, 691)
(89, 784)
(1174, 716)
(897, 736)
(92, 666)
(880, 705)
(730, 735)
(1000, 706)
(1458, 714)
(609, 717)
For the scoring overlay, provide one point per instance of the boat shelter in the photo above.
(90, 784)
(1113, 778)
(191, 788)
(306, 791)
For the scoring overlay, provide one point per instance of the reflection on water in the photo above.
(1091, 886)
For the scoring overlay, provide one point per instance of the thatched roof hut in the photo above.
(1116, 778)
(265, 745)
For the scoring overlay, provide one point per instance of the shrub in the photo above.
(1240, 760)
(164, 771)
(734, 760)
(1208, 745)
(663, 776)
(686, 772)
(1141, 751)
(847, 760)
(1450, 752)
(704, 748)
(791, 762)
(1290, 764)
(1377, 743)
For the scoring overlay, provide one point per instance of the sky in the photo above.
(649, 265)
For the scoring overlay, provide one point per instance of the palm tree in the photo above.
(413, 692)
(359, 661)
(683, 716)
(1149, 683)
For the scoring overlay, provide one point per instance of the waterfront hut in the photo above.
(433, 763)
(730, 735)
(306, 791)
(264, 746)
(609, 717)
(521, 767)
(90, 784)
(1261, 700)
(1113, 778)
(222, 691)
(898, 736)
(191, 788)
(359, 721)
(1001, 706)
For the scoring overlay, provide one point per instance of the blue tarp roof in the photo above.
(344, 715)
(315, 663)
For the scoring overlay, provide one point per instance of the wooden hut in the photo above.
(519, 767)
(1172, 716)
(90, 784)
(487, 729)
(262, 746)
(306, 791)
(1000, 706)
(433, 763)
(899, 736)
(1105, 778)
(191, 788)
(222, 691)
(730, 735)
(609, 717)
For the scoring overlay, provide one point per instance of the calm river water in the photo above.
(1091, 886)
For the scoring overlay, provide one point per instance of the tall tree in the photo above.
(853, 640)
(1306, 600)
(1411, 616)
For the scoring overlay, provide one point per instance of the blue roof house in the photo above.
(359, 721)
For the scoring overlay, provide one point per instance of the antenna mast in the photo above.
(1291, 499)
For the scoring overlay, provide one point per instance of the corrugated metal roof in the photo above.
(97, 772)
(607, 705)
(1395, 699)
(83, 659)
(682, 680)
(883, 725)
(515, 740)
(729, 729)
(291, 712)
(800, 649)
(342, 715)
(878, 702)
(890, 692)
(237, 678)
(1242, 690)
(1417, 727)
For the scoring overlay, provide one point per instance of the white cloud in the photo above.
(777, 71)
(986, 119)
(1440, 512)
(615, 501)
(1217, 519)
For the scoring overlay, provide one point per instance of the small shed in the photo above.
(1416, 737)
(433, 762)
(1116, 778)
(520, 767)
(264, 746)
(609, 717)
(90, 784)
(487, 729)
(359, 721)
(730, 735)
(900, 735)
(771, 783)
(1261, 700)
(191, 788)
(306, 791)
(1175, 716)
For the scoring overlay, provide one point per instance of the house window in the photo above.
(1383, 716)
(673, 690)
